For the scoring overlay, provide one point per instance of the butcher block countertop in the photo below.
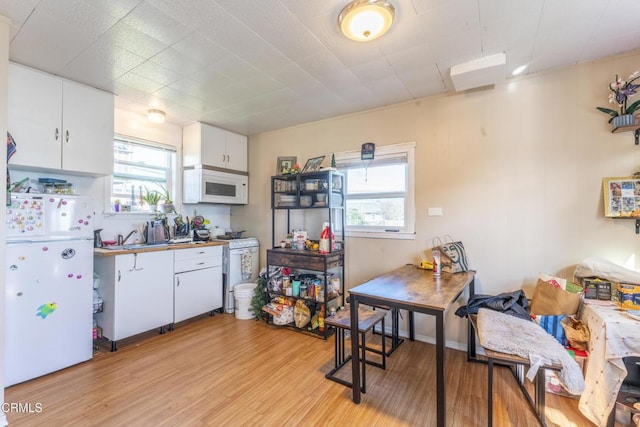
(155, 248)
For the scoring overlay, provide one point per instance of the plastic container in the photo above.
(243, 293)
(437, 267)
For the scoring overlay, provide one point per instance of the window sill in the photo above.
(381, 235)
(135, 214)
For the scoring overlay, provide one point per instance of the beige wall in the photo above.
(517, 170)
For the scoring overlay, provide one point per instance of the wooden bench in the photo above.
(516, 364)
(368, 318)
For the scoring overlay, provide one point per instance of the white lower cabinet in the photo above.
(137, 290)
(197, 282)
(147, 290)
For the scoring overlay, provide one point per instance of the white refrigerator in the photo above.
(49, 284)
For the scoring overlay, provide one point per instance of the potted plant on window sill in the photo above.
(151, 198)
(620, 92)
(167, 204)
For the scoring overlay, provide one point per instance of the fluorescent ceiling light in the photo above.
(156, 116)
(365, 20)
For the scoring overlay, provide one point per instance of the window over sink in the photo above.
(140, 166)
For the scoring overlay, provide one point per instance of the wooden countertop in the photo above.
(152, 248)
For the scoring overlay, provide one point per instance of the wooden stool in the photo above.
(367, 319)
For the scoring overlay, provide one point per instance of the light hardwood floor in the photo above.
(222, 371)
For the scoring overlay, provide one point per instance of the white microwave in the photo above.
(201, 185)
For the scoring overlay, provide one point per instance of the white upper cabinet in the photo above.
(207, 145)
(59, 125)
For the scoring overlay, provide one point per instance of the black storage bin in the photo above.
(632, 364)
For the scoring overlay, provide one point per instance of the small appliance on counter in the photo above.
(156, 232)
(201, 234)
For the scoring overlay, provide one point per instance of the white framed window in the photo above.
(379, 194)
(140, 166)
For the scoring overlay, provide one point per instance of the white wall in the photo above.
(4, 62)
(517, 170)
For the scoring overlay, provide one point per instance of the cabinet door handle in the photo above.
(57, 134)
(135, 263)
(178, 281)
(119, 275)
(200, 263)
(67, 137)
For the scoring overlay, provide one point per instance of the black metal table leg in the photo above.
(490, 392)
(471, 336)
(412, 326)
(440, 386)
(355, 358)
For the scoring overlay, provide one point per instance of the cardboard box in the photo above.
(629, 296)
(597, 289)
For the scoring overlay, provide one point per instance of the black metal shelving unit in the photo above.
(296, 192)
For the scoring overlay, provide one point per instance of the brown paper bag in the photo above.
(549, 300)
(577, 332)
(301, 314)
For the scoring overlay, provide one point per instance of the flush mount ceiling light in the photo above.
(365, 20)
(156, 116)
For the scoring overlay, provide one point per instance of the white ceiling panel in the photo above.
(45, 39)
(154, 23)
(257, 65)
(129, 38)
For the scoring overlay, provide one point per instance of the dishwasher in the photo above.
(241, 263)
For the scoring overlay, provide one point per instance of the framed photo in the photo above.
(313, 164)
(621, 197)
(284, 164)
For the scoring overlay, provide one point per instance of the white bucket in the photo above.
(243, 293)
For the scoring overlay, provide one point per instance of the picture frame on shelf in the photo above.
(621, 197)
(284, 164)
(313, 164)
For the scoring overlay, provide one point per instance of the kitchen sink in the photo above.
(135, 246)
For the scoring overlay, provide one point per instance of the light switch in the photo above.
(435, 211)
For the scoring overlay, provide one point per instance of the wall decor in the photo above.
(621, 197)
(313, 164)
(285, 165)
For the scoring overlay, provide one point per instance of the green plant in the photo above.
(259, 299)
(152, 197)
(166, 196)
(620, 92)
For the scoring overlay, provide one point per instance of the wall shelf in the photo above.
(633, 128)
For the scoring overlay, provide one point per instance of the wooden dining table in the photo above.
(415, 290)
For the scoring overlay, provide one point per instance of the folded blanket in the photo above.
(511, 335)
(605, 269)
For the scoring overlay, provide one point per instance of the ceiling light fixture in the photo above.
(365, 20)
(156, 116)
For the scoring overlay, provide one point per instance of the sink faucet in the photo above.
(122, 241)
